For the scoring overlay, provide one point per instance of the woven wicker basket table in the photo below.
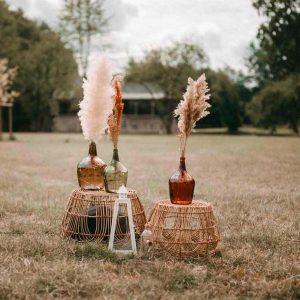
(88, 215)
(184, 230)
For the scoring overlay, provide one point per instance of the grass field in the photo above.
(252, 182)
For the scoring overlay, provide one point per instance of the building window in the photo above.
(144, 107)
(129, 107)
(137, 107)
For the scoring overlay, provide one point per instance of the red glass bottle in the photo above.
(181, 185)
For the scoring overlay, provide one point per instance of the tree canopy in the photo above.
(276, 54)
(275, 63)
(80, 20)
(44, 65)
(277, 104)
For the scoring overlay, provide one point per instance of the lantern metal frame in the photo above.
(122, 200)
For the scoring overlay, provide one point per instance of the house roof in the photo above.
(145, 91)
(130, 91)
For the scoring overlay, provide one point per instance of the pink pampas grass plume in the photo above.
(97, 103)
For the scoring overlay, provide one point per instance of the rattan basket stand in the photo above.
(88, 215)
(184, 230)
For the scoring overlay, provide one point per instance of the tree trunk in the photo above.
(11, 137)
(166, 114)
(167, 121)
(273, 130)
(0, 123)
(168, 126)
(232, 130)
(294, 126)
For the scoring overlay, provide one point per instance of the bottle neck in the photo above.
(182, 164)
(115, 155)
(92, 149)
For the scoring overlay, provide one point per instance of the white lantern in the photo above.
(122, 192)
(122, 199)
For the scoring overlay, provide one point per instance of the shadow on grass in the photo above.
(245, 132)
(99, 252)
(180, 281)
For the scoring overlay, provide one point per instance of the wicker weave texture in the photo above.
(184, 230)
(88, 216)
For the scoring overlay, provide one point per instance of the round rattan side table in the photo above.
(184, 230)
(88, 215)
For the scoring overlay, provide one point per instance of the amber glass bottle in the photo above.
(181, 185)
(90, 170)
(115, 174)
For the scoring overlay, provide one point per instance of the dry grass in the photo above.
(253, 183)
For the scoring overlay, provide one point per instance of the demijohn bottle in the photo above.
(90, 170)
(146, 241)
(181, 185)
(115, 174)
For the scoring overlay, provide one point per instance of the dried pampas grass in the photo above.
(96, 104)
(114, 119)
(192, 108)
(7, 77)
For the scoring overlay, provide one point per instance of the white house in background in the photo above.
(140, 113)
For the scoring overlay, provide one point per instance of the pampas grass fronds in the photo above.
(114, 119)
(96, 104)
(6, 80)
(192, 108)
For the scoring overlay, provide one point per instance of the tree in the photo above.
(224, 99)
(245, 90)
(45, 66)
(277, 103)
(7, 95)
(275, 60)
(276, 54)
(79, 22)
(56, 73)
(169, 68)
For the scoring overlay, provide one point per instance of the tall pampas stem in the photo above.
(192, 108)
(114, 119)
(96, 104)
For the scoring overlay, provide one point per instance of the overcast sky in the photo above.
(224, 28)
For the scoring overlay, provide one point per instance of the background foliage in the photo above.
(171, 66)
(45, 66)
(268, 96)
(79, 22)
(275, 65)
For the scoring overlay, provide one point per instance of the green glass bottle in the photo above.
(115, 174)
